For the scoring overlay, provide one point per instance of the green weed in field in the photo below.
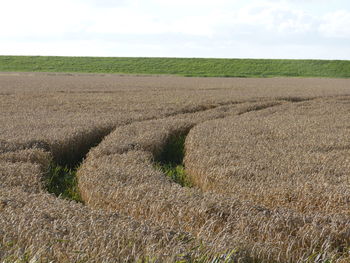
(62, 181)
(176, 173)
(170, 160)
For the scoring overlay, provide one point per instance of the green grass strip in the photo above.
(201, 67)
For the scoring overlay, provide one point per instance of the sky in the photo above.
(293, 29)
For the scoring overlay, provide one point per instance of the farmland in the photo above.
(265, 160)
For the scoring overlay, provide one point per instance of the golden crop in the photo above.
(269, 160)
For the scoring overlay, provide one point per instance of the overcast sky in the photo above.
(318, 29)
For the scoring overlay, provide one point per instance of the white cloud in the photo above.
(224, 28)
(336, 24)
(106, 3)
(40, 18)
(124, 21)
(199, 4)
(274, 18)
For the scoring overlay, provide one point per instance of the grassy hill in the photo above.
(204, 67)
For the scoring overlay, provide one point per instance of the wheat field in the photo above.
(268, 160)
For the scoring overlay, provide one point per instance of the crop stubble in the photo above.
(268, 157)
